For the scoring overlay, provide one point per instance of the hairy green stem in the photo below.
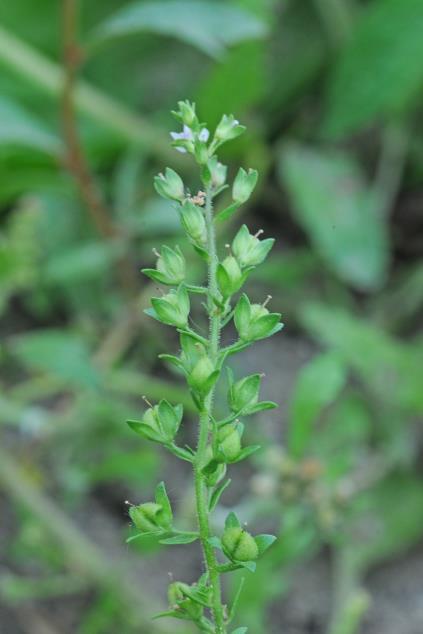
(201, 490)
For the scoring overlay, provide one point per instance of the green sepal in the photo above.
(170, 417)
(264, 542)
(180, 538)
(240, 630)
(226, 213)
(215, 496)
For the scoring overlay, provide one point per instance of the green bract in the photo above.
(170, 185)
(192, 219)
(253, 321)
(170, 267)
(159, 423)
(229, 128)
(172, 309)
(248, 249)
(244, 184)
(201, 360)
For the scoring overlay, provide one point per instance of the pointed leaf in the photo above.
(162, 498)
(225, 214)
(232, 521)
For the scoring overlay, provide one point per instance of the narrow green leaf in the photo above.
(234, 605)
(215, 497)
(246, 453)
(181, 538)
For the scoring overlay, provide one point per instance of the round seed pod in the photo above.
(229, 441)
(239, 545)
(146, 516)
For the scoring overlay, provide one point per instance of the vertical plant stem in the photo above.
(76, 160)
(201, 491)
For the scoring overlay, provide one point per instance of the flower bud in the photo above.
(170, 267)
(170, 186)
(228, 128)
(253, 321)
(229, 276)
(186, 112)
(239, 545)
(147, 517)
(244, 184)
(244, 393)
(193, 222)
(160, 423)
(217, 172)
(201, 152)
(248, 249)
(229, 441)
(173, 308)
(180, 599)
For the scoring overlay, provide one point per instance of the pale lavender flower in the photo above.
(188, 135)
(204, 135)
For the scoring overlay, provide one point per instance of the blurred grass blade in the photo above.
(209, 26)
(340, 214)
(380, 72)
(18, 127)
(37, 69)
(60, 353)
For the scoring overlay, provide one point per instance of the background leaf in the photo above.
(209, 26)
(319, 383)
(381, 70)
(340, 214)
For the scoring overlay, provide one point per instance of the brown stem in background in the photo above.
(76, 160)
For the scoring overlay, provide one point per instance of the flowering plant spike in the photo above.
(220, 442)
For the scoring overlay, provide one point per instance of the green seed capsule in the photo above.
(239, 545)
(146, 516)
(229, 441)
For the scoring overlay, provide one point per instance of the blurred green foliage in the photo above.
(331, 91)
